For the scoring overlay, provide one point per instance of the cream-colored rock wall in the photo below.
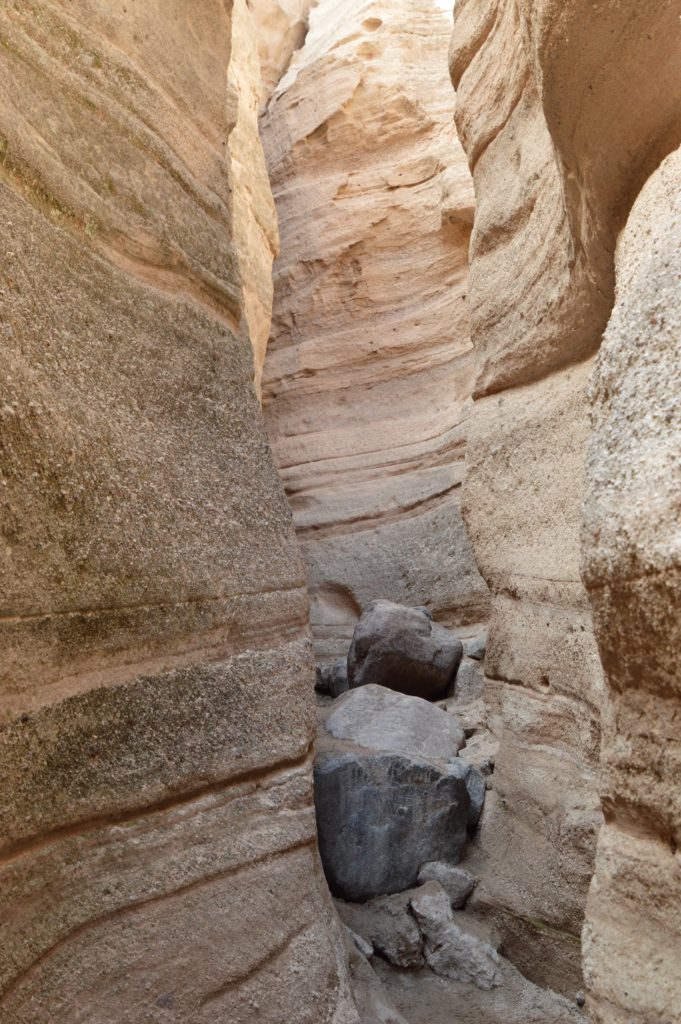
(632, 567)
(564, 109)
(281, 29)
(368, 376)
(157, 847)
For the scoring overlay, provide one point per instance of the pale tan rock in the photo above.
(632, 566)
(564, 109)
(368, 374)
(254, 220)
(281, 29)
(157, 849)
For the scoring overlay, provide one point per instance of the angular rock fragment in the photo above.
(390, 927)
(456, 881)
(449, 951)
(333, 679)
(403, 649)
(381, 816)
(475, 783)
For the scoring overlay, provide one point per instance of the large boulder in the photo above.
(380, 816)
(403, 649)
(381, 719)
(391, 793)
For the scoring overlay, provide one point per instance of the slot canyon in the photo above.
(340, 509)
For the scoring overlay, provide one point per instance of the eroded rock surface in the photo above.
(564, 110)
(368, 373)
(155, 725)
(632, 567)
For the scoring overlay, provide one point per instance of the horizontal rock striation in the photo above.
(368, 375)
(154, 689)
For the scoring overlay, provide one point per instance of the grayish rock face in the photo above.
(404, 650)
(381, 816)
(456, 881)
(390, 927)
(450, 951)
(333, 679)
(475, 783)
(381, 719)
(469, 685)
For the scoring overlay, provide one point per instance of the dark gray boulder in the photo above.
(403, 649)
(380, 816)
(333, 679)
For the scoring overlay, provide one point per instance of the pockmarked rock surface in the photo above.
(403, 649)
(632, 568)
(368, 375)
(155, 725)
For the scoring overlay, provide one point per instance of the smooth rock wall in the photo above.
(157, 845)
(368, 375)
(563, 109)
(632, 567)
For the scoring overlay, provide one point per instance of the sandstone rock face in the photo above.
(563, 110)
(155, 674)
(368, 375)
(281, 29)
(632, 567)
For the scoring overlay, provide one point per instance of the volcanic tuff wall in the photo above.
(368, 376)
(157, 854)
(564, 109)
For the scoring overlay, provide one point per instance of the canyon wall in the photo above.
(157, 846)
(368, 377)
(564, 111)
(632, 566)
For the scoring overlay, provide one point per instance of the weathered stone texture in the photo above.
(155, 677)
(564, 109)
(632, 567)
(368, 374)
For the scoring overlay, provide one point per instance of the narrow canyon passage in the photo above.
(340, 387)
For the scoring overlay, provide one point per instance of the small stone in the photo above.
(361, 944)
(580, 999)
(390, 927)
(475, 784)
(333, 679)
(477, 647)
(456, 881)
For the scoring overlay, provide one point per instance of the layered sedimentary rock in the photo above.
(368, 376)
(632, 567)
(157, 855)
(563, 110)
